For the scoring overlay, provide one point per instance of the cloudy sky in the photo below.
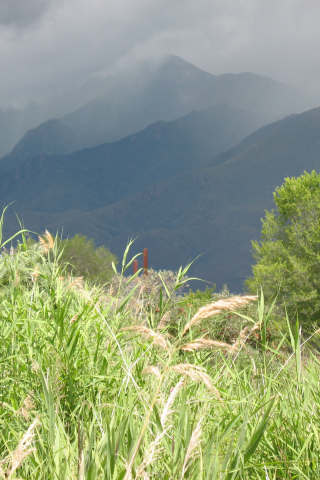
(46, 45)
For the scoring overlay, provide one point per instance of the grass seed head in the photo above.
(195, 441)
(197, 374)
(157, 338)
(26, 407)
(200, 343)
(164, 320)
(46, 242)
(76, 283)
(22, 451)
(153, 370)
(220, 306)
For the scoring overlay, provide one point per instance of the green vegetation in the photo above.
(83, 259)
(289, 252)
(129, 381)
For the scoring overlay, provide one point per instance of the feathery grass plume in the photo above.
(207, 343)
(246, 332)
(197, 374)
(153, 370)
(35, 274)
(77, 282)
(164, 321)
(157, 338)
(153, 450)
(243, 337)
(74, 319)
(46, 242)
(35, 365)
(195, 441)
(26, 407)
(166, 409)
(217, 307)
(16, 458)
(152, 453)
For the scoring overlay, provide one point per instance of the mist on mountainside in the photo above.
(107, 108)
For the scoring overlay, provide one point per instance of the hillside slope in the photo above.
(214, 210)
(107, 108)
(51, 138)
(113, 171)
(173, 89)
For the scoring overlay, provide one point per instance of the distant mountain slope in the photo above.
(215, 209)
(174, 89)
(108, 108)
(103, 175)
(51, 137)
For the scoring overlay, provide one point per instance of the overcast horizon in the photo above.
(49, 45)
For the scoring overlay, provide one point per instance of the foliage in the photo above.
(200, 298)
(84, 259)
(288, 255)
(89, 391)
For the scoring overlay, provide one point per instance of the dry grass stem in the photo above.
(195, 441)
(81, 466)
(207, 343)
(215, 308)
(157, 338)
(46, 242)
(153, 370)
(16, 458)
(164, 320)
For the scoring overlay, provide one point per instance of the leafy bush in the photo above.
(83, 259)
(288, 255)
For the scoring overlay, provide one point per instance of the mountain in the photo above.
(51, 137)
(108, 108)
(113, 171)
(214, 210)
(173, 89)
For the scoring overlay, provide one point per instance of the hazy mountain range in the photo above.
(195, 184)
(105, 109)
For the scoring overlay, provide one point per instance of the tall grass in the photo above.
(95, 384)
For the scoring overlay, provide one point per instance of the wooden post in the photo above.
(135, 266)
(145, 261)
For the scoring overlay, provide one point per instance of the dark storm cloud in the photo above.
(48, 45)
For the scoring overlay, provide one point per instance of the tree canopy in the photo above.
(288, 255)
(84, 259)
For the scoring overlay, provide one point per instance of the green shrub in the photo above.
(83, 259)
(288, 255)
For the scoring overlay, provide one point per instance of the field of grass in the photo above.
(132, 381)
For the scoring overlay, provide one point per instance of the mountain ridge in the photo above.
(214, 210)
(106, 109)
